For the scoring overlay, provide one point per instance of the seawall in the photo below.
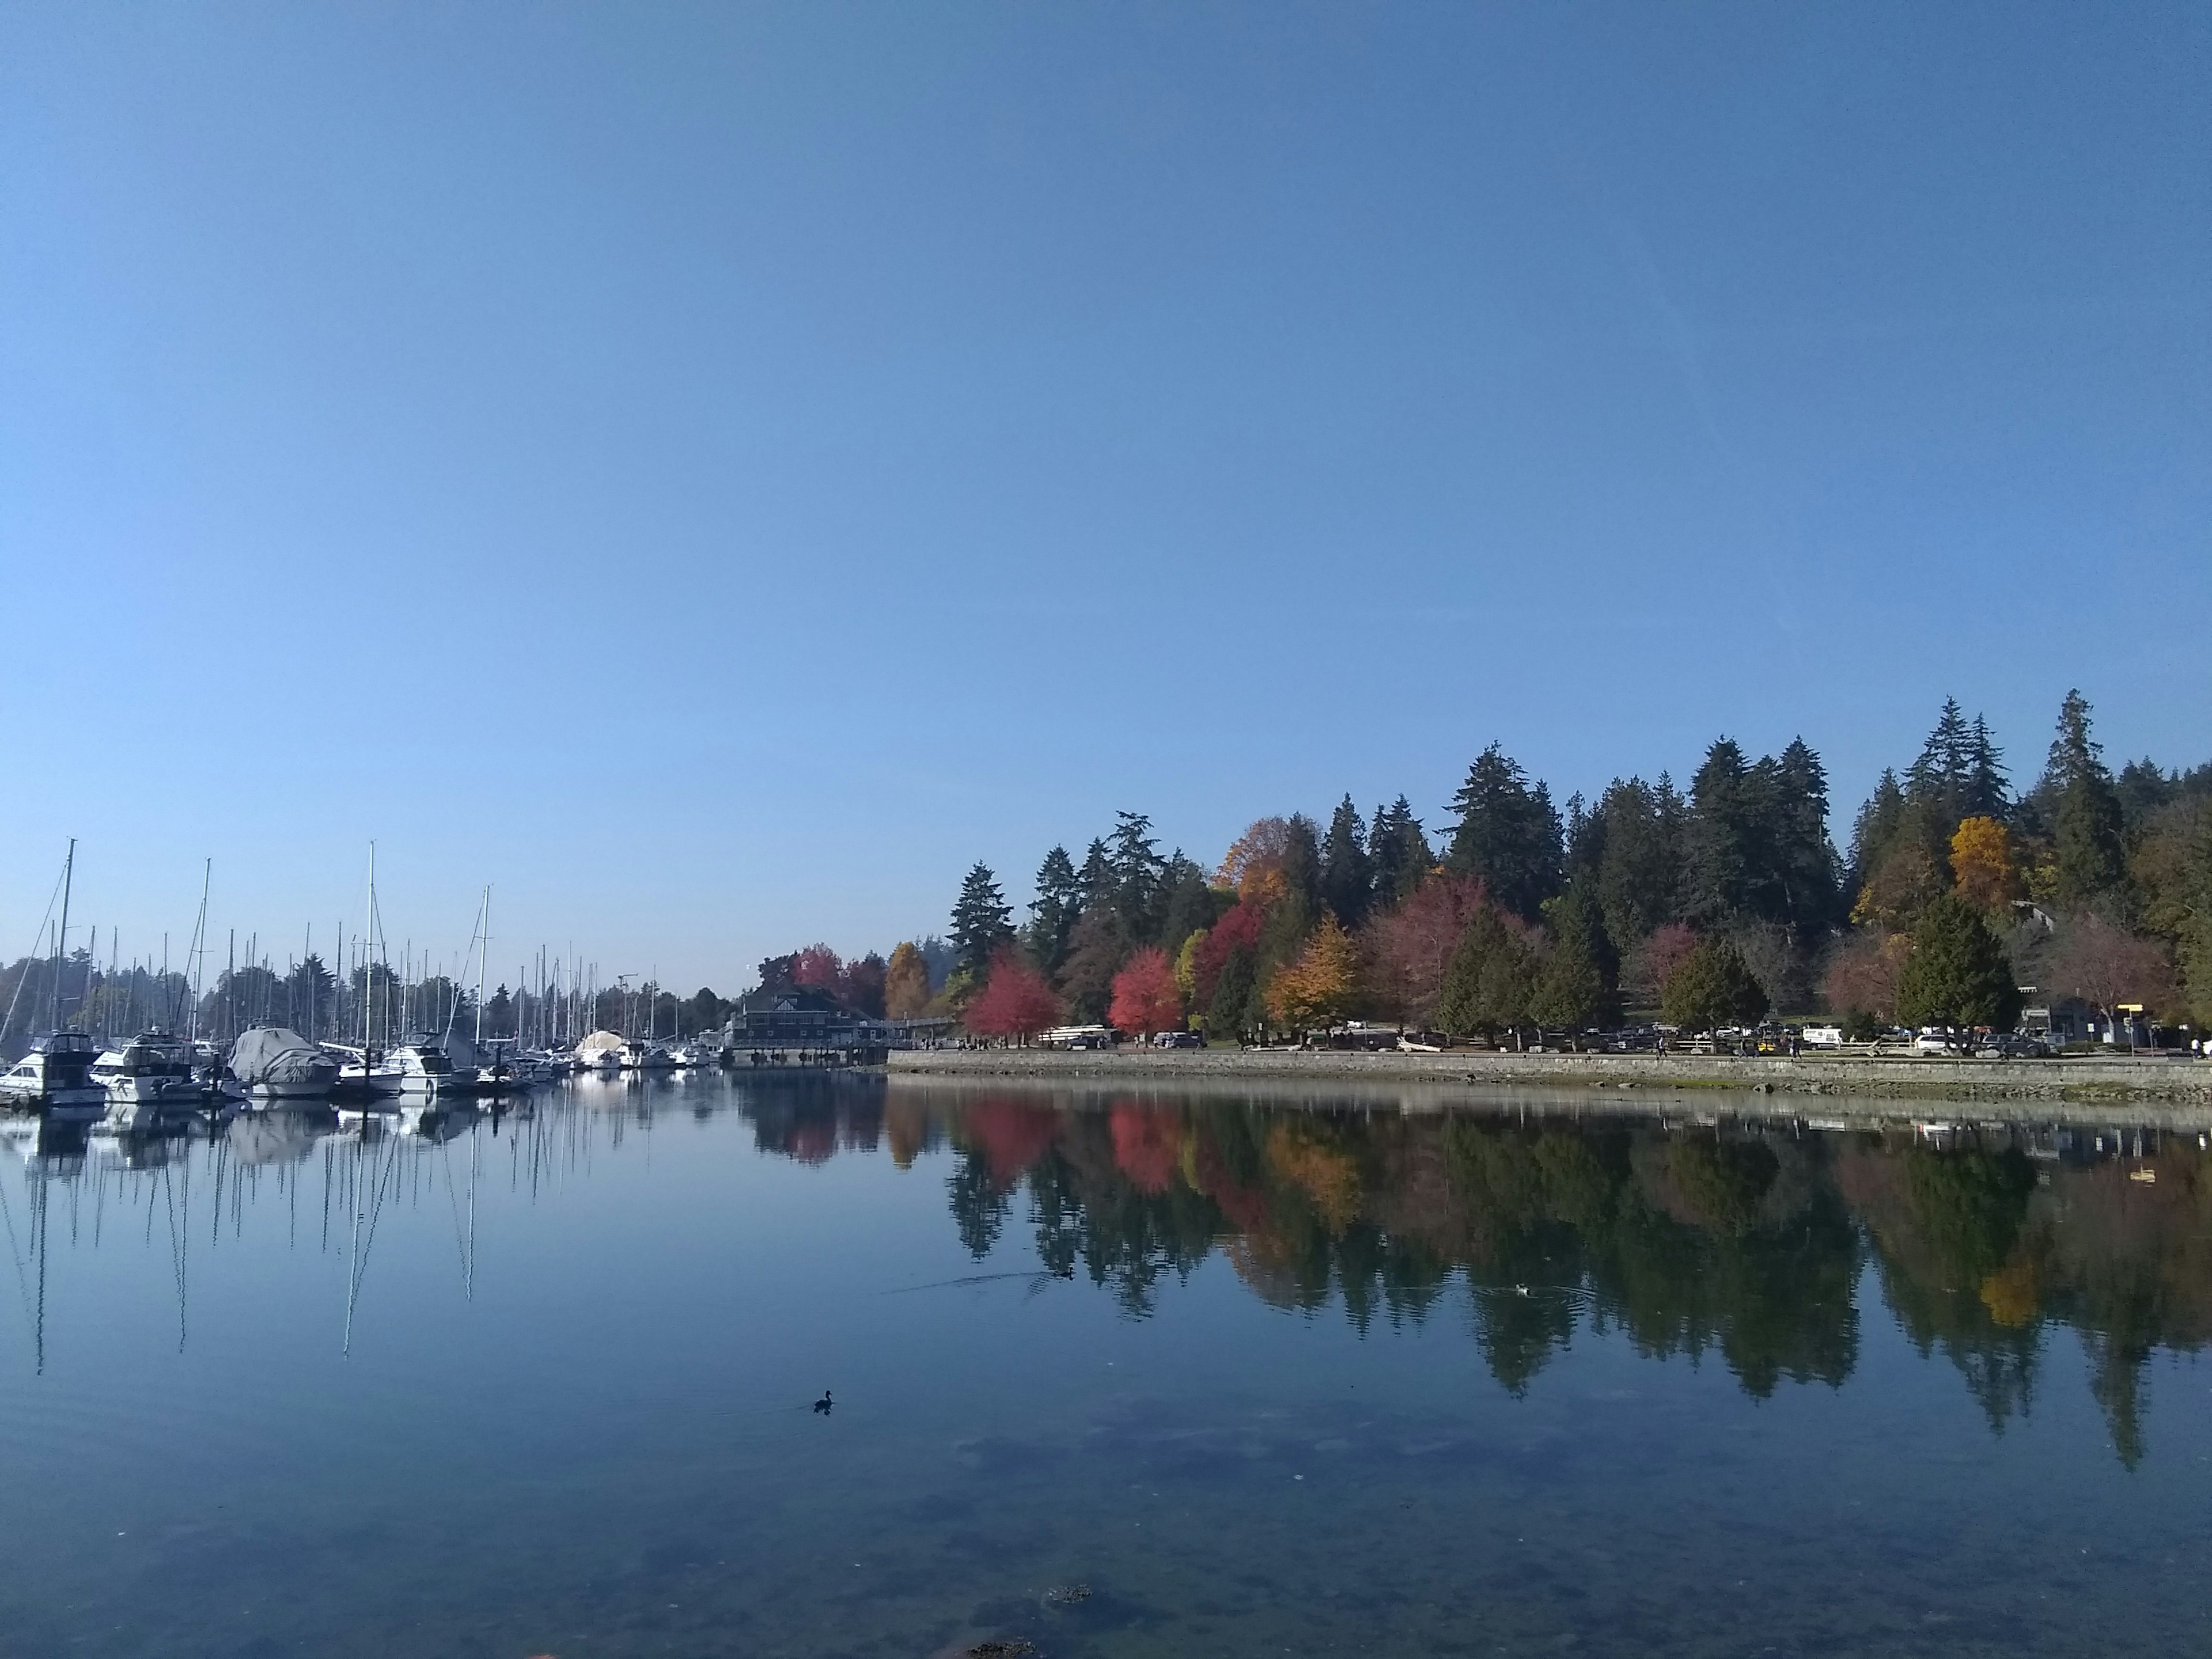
(2148, 1082)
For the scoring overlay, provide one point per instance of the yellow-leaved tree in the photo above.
(906, 982)
(1982, 865)
(1317, 988)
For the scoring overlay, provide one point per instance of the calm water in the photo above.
(1307, 1378)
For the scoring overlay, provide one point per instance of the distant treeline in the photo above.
(1719, 902)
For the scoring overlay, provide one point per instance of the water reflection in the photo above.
(1755, 1243)
(1743, 1241)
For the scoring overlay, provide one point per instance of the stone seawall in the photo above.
(2160, 1083)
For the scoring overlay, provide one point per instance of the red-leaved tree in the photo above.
(818, 966)
(1410, 947)
(1239, 926)
(1015, 1001)
(1147, 998)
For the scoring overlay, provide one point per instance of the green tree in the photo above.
(1574, 987)
(1508, 834)
(1137, 868)
(1638, 828)
(1491, 979)
(981, 922)
(1958, 974)
(1236, 1008)
(1399, 852)
(1348, 879)
(1053, 911)
(2091, 850)
(1713, 986)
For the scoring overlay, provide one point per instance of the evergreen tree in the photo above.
(1235, 1009)
(1059, 901)
(1508, 834)
(1713, 986)
(1095, 882)
(1941, 779)
(1489, 982)
(1348, 879)
(1399, 851)
(1875, 833)
(1806, 867)
(2089, 827)
(1301, 868)
(1725, 859)
(1989, 793)
(981, 922)
(1190, 903)
(1958, 974)
(1137, 868)
(1572, 990)
(1640, 857)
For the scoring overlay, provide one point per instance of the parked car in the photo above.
(1178, 1040)
(2003, 1045)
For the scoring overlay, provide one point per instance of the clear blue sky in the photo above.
(715, 471)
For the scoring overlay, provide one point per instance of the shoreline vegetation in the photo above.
(2077, 910)
(2184, 1086)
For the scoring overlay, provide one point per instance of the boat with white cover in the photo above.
(276, 1063)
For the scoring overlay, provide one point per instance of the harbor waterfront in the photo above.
(790, 1362)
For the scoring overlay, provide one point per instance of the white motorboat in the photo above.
(152, 1069)
(56, 1076)
(425, 1068)
(639, 1055)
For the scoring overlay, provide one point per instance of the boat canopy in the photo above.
(601, 1042)
(275, 1053)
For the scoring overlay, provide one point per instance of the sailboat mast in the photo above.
(199, 946)
(61, 939)
(483, 943)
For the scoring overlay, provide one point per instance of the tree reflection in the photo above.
(1746, 1243)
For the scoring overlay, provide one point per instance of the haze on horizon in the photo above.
(714, 474)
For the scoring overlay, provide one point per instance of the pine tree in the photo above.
(1137, 868)
(1880, 824)
(1488, 985)
(1988, 790)
(981, 922)
(1806, 867)
(1724, 858)
(1095, 881)
(1640, 873)
(1346, 876)
(1399, 851)
(1957, 975)
(1713, 986)
(1508, 834)
(1052, 913)
(1236, 996)
(1571, 992)
(2091, 844)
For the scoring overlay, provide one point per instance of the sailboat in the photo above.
(365, 1073)
(55, 1075)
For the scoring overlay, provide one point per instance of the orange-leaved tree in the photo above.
(906, 982)
(1982, 864)
(1317, 988)
(1015, 1001)
(1145, 996)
